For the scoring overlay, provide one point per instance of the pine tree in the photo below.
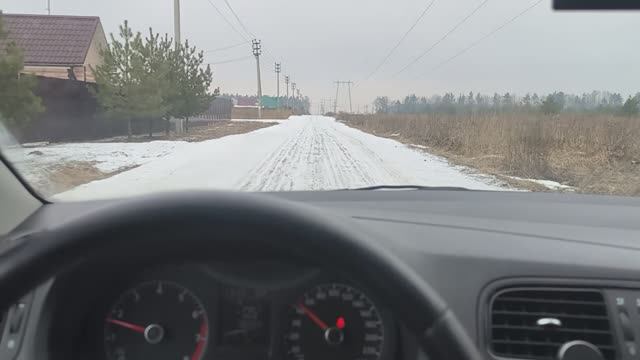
(18, 104)
(160, 56)
(193, 83)
(553, 103)
(127, 88)
(496, 101)
(631, 107)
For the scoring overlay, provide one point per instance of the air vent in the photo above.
(533, 323)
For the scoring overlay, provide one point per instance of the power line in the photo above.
(415, 23)
(446, 35)
(247, 40)
(227, 47)
(244, 27)
(487, 35)
(227, 21)
(230, 60)
(238, 18)
(243, 36)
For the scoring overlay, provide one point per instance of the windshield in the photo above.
(112, 99)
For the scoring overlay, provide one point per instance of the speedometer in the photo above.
(335, 321)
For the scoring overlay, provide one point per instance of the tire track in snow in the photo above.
(377, 162)
(259, 178)
(315, 154)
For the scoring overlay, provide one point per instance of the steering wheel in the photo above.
(211, 225)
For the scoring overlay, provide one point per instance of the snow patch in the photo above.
(549, 184)
(35, 161)
(418, 146)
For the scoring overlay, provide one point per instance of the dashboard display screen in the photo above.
(244, 315)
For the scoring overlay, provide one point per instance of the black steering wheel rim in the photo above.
(213, 222)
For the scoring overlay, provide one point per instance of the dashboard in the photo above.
(197, 311)
(487, 254)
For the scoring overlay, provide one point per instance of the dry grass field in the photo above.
(595, 153)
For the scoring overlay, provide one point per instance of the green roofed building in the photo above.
(269, 102)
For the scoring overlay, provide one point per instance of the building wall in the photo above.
(58, 72)
(93, 57)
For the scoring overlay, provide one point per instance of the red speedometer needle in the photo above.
(310, 314)
(124, 324)
(202, 340)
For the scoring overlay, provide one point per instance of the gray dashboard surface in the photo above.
(460, 242)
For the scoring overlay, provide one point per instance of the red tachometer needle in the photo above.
(313, 317)
(124, 324)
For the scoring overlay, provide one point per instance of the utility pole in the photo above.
(350, 105)
(176, 22)
(286, 81)
(335, 104)
(278, 83)
(180, 123)
(335, 101)
(257, 50)
(293, 94)
(49, 7)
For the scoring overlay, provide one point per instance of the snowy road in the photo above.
(303, 153)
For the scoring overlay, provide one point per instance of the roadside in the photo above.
(55, 168)
(566, 153)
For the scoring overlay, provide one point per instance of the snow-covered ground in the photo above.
(36, 162)
(303, 153)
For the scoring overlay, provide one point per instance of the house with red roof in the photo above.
(62, 47)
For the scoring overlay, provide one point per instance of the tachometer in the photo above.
(335, 321)
(156, 320)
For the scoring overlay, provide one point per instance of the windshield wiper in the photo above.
(410, 187)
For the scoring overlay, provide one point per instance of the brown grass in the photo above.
(63, 177)
(595, 153)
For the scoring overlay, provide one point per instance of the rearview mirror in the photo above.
(596, 4)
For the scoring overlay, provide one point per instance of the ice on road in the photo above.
(303, 153)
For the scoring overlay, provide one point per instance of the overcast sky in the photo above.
(320, 41)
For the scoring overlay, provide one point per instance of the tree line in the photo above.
(152, 77)
(554, 103)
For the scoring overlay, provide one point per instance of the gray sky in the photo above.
(321, 41)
